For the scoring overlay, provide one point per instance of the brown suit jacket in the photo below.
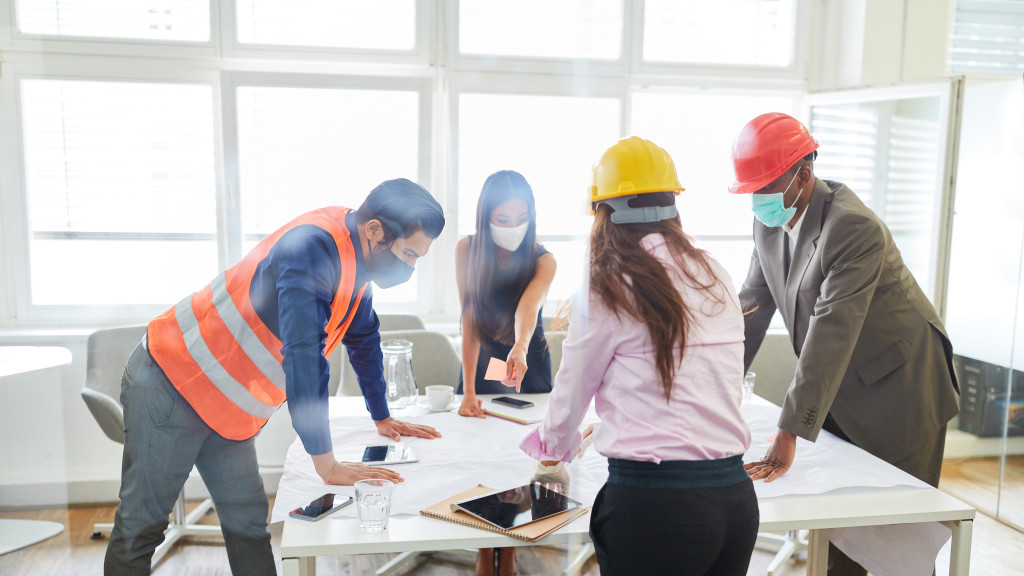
(871, 349)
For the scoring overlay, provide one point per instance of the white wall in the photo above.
(878, 42)
(53, 451)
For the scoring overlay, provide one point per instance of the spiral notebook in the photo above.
(531, 532)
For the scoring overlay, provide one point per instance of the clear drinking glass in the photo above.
(401, 383)
(373, 501)
(748, 386)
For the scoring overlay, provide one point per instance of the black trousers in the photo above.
(675, 531)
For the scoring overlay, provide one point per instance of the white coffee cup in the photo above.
(439, 396)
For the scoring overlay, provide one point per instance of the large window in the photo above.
(328, 23)
(120, 182)
(756, 32)
(698, 129)
(180, 20)
(303, 148)
(553, 141)
(148, 145)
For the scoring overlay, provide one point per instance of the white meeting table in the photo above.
(14, 361)
(851, 506)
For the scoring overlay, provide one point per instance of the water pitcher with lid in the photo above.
(401, 384)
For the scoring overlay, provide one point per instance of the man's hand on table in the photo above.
(395, 429)
(348, 473)
(777, 461)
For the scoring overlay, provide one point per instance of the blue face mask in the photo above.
(771, 209)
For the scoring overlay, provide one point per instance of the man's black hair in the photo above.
(403, 207)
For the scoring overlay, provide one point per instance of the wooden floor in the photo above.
(998, 550)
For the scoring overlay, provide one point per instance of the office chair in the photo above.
(434, 360)
(391, 322)
(107, 353)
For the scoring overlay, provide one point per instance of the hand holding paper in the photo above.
(503, 372)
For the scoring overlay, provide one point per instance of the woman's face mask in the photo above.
(509, 238)
(385, 268)
(771, 209)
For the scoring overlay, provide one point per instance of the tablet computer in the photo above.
(388, 455)
(517, 506)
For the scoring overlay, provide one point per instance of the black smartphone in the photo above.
(322, 506)
(513, 402)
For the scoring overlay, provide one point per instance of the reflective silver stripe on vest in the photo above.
(244, 335)
(235, 392)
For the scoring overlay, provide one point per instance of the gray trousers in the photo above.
(164, 439)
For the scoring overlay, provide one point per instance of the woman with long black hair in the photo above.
(503, 276)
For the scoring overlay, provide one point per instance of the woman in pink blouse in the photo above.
(657, 340)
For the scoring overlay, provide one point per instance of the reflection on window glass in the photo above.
(183, 20)
(117, 173)
(379, 25)
(986, 37)
(552, 140)
(305, 148)
(698, 131)
(737, 32)
(888, 154)
(541, 28)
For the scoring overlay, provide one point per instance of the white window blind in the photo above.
(306, 148)
(121, 190)
(542, 28)
(888, 153)
(553, 141)
(376, 24)
(730, 32)
(180, 20)
(988, 37)
(698, 130)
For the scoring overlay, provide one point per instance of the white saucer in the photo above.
(451, 406)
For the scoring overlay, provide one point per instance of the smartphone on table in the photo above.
(513, 402)
(322, 506)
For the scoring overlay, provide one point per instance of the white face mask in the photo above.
(509, 238)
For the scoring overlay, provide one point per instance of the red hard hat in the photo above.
(766, 147)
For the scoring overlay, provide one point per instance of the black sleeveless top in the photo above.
(538, 361)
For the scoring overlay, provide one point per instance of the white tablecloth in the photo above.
(486, 451)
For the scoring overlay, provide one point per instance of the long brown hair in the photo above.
(492, 303)
(630, 281)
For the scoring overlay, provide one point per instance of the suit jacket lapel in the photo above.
(806, 245)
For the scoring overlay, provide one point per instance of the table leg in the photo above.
(303, 566)
(960, 547)
(817, 553)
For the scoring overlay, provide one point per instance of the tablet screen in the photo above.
(389, 454)
(518, 506)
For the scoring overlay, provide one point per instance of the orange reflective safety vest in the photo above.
(218, 353)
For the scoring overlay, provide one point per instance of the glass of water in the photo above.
(748, 386)
(373, 501)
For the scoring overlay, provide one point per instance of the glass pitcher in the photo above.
(401, 383)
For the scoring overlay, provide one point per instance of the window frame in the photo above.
(434, 67)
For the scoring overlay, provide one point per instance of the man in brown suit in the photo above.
(874, 362)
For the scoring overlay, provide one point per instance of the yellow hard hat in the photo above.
(633, 166)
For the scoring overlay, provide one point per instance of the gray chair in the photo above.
(774, 366)
(391, 322)
(107, 353)
(434, 360)
(555, 340)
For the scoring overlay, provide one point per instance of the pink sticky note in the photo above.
(496, 370)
